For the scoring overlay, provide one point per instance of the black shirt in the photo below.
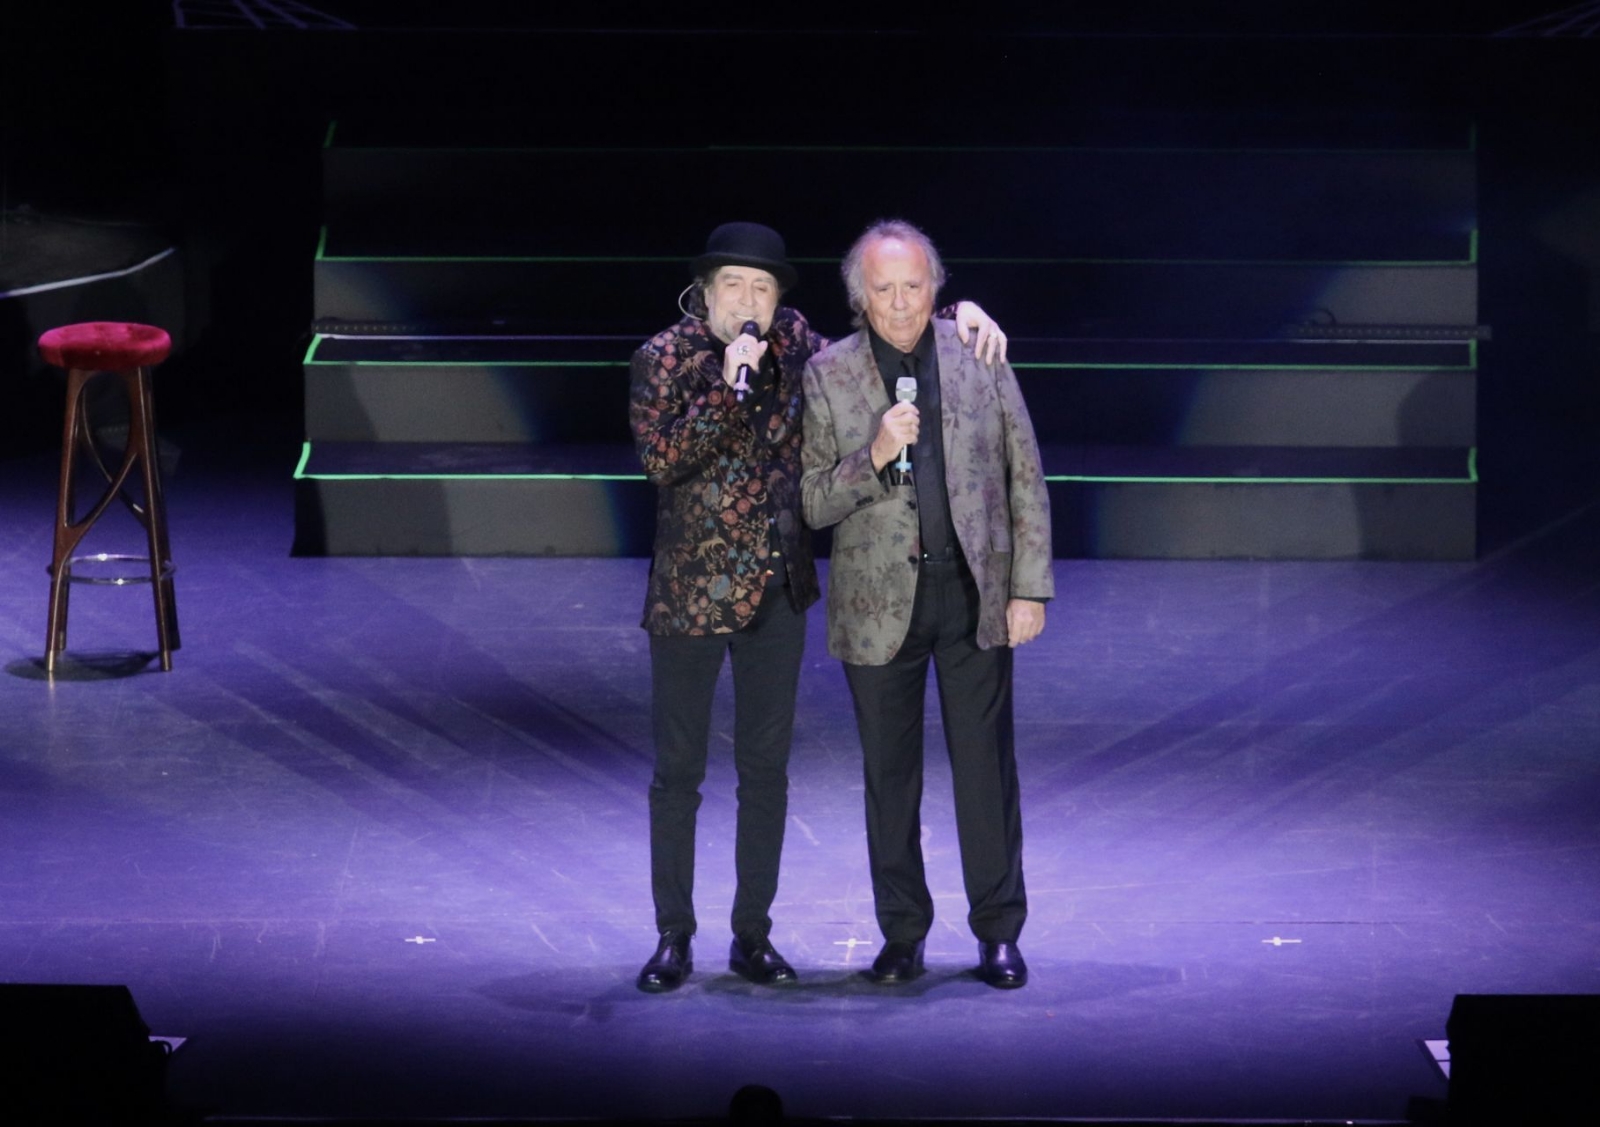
(927, 457)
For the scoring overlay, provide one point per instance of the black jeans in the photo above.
(766, 671)
(975, 705)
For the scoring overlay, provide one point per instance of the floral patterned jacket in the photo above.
(999, 503)
(718, 480)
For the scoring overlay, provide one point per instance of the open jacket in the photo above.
(998, 500)
(718, 480)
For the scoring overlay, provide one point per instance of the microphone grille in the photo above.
(905, 389)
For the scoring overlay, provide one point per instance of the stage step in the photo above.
(468, 389)
(471, 499)
(1184, 393)
(1237, 336)
(449, 499)
(1161, 225)
(1293, 128)
(1033, 297)
(1302, 205)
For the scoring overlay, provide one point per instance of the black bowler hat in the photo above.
(747, 244)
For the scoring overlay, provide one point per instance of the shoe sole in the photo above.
(664, 987)
(790, 979)
(1001, 982)
(1005, 983)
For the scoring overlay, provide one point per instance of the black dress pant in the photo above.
(766, 670)
(975, 704)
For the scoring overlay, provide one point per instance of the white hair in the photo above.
(855, 288)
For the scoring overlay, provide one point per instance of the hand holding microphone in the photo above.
(905, 391)
(897, 431)
(741, 356)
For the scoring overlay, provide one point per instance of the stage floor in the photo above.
(377, 845)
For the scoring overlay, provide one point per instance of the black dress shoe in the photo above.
(669, 966)
(754, 957)
(899, 961)
(1001, 965)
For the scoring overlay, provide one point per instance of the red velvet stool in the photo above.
(127, 352)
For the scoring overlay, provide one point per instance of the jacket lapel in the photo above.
(867, 375)
(948, 348)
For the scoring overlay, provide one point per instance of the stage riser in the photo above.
(1034, 299)
(509, 403)
(1096, 520)
(1336, 521)
(1254, 408)
(473, 517)
(520, 403)
(1039, 203)
(1165, 279)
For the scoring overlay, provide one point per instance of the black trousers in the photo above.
(766, 671)
(975, 704)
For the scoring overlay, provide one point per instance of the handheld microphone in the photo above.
(742, 383)
(905, 391)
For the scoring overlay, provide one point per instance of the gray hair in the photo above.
(855, 288)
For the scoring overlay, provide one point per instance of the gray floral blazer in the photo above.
(998, 500)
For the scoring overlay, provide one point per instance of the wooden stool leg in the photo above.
(142, 435)
(66, 537)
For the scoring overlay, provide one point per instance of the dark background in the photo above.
(212, 136)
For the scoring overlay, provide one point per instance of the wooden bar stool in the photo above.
(127, 352)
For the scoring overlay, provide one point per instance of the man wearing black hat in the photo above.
(715, 409)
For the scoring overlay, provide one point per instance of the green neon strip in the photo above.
(634, 259)
(466, 363)
(1472, 247)
(553, 150)
(322, 244)
(1263, 480)
(327, 140)
(472, 477)
(1086, 478)
(1471, 478)
(1078, 366)
(300, 474)
(1040, 366)
(1027, 149)
(550, 258)
(1405, 262)
(1155, 149)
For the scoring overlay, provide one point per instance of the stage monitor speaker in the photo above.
(1524, 1058)
(77, 1054)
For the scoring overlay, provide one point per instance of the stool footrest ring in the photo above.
(167, 570)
